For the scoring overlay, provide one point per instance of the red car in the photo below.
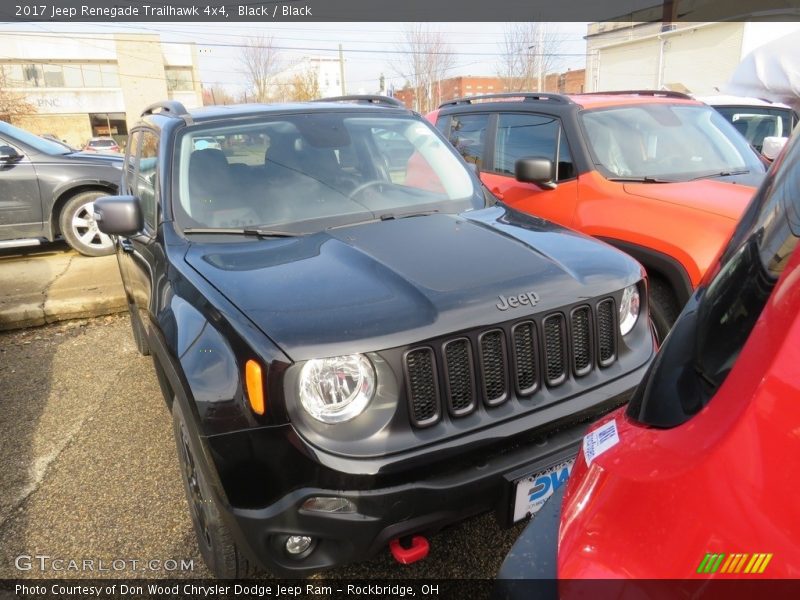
(698, 476)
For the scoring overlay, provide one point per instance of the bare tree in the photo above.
(12, 103)
(216, 94)
(260, 63)
(426, 59)
(530, 52)
(304, 85)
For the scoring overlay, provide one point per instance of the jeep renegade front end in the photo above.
(358, 348)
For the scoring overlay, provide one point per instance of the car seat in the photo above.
(209, 182)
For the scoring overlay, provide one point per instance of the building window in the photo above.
(92, 76)
(73, 76)
(12, 75)
(49, 75)
(179, 79)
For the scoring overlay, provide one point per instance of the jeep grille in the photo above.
(488, 367)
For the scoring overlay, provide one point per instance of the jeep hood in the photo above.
(716, 196)
(391, 283)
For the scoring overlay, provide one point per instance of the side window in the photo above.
(520, 136)
(145, 181)
(131, 152)
(468, 136)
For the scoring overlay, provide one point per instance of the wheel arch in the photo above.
(63, 196)
(661, 265)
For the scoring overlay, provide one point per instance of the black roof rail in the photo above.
(527, 96)
(365, 99)
(171, 108)
(664, 93)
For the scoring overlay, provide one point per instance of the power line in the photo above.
(400, 51)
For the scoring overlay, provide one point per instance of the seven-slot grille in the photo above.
(483, 368)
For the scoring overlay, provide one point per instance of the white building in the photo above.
(690, 57)
(327, 70)
(85, 85)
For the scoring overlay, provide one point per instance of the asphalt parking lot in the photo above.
(90, 470)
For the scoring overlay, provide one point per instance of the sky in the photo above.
(370, 49)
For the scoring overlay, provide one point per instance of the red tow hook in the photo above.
(409, 549)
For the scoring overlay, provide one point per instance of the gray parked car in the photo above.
(47, 191)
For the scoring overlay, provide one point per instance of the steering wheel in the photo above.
(364, 186)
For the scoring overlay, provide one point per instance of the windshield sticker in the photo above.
(600, 440)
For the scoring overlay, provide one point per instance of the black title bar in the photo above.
(220, 11)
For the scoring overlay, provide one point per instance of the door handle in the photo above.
(496, 191)
(126, 245)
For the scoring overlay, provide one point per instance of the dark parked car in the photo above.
(353, 356)
(47, 190)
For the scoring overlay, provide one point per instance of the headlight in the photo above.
(335, 390)
(628, 309)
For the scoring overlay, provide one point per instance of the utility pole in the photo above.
(341, 69)
(541, 56)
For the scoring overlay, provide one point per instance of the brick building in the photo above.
(569, 82)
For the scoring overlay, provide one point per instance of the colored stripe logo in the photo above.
(752, 564)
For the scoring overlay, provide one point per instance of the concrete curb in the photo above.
(37, 290)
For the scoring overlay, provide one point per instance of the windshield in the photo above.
(33, 141)
(755, 123)
(667, 142)
(305, 172)
(103, 143)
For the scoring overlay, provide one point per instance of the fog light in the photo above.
(297, 544)
(329, 504)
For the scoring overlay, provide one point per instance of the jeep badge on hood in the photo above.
(528, 298)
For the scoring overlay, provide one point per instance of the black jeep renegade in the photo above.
(357, 341)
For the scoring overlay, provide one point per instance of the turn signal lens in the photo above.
(255, 386)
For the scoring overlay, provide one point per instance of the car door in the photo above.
(525, 135)
(141, 250)
(20, 200)
(127, 187)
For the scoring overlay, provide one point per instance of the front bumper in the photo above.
(422, 506)
(441, 488)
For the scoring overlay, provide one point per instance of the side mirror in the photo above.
(118, 215)
(772, 146)
(535, 170)
(9, 154)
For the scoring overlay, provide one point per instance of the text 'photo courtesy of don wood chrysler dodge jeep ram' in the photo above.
(358, 349)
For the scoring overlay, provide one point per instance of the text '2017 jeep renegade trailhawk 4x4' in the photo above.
(358, 348)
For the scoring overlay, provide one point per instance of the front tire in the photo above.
(79, 227)
(217, 546)
(663, 308)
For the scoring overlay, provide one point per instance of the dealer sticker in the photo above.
(600, 440)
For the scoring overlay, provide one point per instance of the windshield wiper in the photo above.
(421, 213)
(645, 179)
(386, 217)
(243, 231)
(721, 174)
